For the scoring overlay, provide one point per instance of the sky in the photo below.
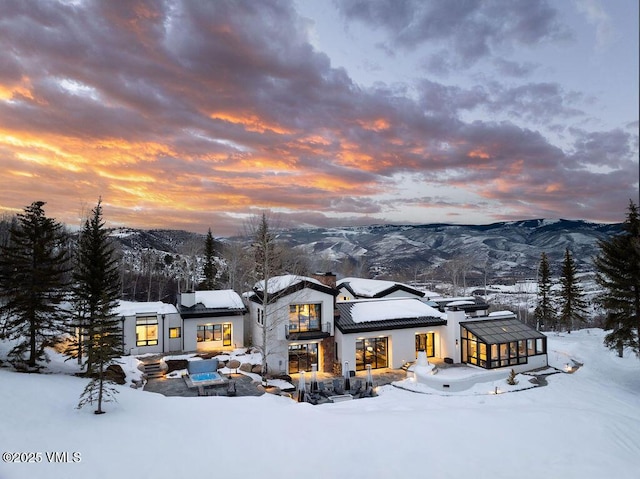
(195, 115)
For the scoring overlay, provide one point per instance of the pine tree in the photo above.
(210, 270)
(96, 290)
(618, 273)
(544, 313)
(96, 287)
(33, 270)
(571, 295)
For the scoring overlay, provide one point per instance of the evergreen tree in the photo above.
(618, 272)
(544, 313)
(33, 270)
(571, 295)
(210, 269)
(96, 288)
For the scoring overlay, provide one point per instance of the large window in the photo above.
(302, 356)
(147, 331)
(424, 342)
(214, 332)
(503, 345)
(304, 318)
(371, 351)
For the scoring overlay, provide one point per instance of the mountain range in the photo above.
(504, 249)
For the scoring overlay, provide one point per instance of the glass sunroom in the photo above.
(500, 343)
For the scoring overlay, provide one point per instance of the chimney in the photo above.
(188, 299)
(328, 279)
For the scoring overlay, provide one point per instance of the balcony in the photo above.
(298, 335)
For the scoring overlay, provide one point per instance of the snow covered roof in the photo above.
(131, 308)
(219, 299)
(278, 283)
(379, 314)
(282, 285)
(372, 288)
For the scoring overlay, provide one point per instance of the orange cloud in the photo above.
(249, 122)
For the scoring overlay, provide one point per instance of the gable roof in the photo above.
(225, 302)
(381, 314)
(375, 288)
(281, 286)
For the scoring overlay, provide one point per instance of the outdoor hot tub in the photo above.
(205, 379)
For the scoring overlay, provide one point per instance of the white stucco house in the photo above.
(149, 327)
(211, 320)
(296, 324)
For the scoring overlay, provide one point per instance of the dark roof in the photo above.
(479, 304)
(346, 324)
(200, 311)
(495, 331)
(257, 295)
(382, 293)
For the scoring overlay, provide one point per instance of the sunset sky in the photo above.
(200, 114)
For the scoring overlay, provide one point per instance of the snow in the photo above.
(400, 308)
(581, 425)
(368, 287)
(226, 298)
(278, 283)
(131, 308)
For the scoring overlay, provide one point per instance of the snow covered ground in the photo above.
(582, 425)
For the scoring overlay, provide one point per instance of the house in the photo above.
(295, 326)
(358, 288)
(211, 320)
(388, 332)
(149, 327)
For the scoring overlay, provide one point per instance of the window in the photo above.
(302, 357)
(147, 331)
(175, 332)
(371, 351)
(304, 318)
(425, 342)
(214, 332)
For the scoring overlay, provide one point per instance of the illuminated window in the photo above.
(302, 357)
(147, 331)
(425, 342)
(372, 351)
(214, 332)
(175, 332)
(304, 318)
(508, 343)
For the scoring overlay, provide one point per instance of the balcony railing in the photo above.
(295, 335)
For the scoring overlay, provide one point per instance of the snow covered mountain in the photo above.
(505, 249)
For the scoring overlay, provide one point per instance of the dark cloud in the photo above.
(181, 112)
(470, 30)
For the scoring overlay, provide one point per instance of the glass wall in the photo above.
(373, 351)
(492, 352)
(302, 356)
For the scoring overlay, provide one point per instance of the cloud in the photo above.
(469, 30)
(180, 114)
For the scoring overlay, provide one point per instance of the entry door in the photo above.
(425, 342)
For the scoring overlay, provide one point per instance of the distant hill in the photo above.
(505, 249)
